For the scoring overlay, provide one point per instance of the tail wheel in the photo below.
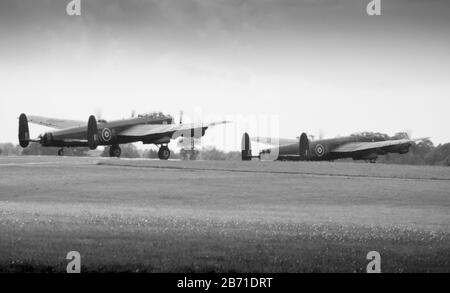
(164, 153)
(115, 151)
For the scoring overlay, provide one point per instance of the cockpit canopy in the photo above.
(375, 136)
(154, 115)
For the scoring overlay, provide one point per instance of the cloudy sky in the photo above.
(324, 66)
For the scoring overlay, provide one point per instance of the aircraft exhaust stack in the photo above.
(24, 132)
(92, 133)
(246, 147)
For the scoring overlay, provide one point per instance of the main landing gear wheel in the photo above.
(61, 152)
(115, 151)
(164, 153)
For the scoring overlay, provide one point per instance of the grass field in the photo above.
(218, 216)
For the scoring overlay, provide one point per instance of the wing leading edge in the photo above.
(173, 130)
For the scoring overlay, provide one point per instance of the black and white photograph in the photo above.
(209, 138)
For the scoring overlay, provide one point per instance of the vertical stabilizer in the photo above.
(24, 131)
(246, 147)
(92, 133)
(304, 147)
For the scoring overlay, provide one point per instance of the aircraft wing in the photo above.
(172, 130)
(364, 146)
(274, 141)
(56, 123)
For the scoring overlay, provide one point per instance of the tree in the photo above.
(9, 149)
(36, 149)
(400, 135)
(439, 155)
(151, 154)
(415, 156)
(214, 154)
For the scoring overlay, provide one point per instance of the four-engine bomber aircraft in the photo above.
(153, 128)
(357, 147)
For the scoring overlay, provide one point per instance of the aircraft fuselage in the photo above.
(108, 133)
(329, 149)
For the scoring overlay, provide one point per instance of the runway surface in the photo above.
(126, 215)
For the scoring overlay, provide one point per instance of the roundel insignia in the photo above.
(106, 134)
(320, 150)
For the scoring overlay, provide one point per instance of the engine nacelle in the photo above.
(403, 151)
(47, 139)
(400, 149)
(367, 157)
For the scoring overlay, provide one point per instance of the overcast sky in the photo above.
(324, 66)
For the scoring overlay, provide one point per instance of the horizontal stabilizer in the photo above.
(273, 141)
(55, 122)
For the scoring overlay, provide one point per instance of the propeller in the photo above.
(133, 113)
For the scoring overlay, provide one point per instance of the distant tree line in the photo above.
(35, 149)
(9, 149)
(421, 153)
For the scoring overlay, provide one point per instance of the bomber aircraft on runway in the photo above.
(358, 147)
(153, 128)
